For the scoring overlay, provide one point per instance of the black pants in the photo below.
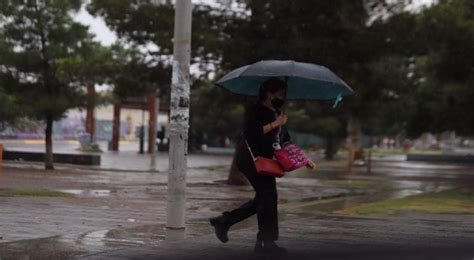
(264, 204)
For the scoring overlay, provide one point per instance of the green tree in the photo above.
(142, 24)
(94, 65)
(41, 35)
(8, 109)
(342, 35)
(432, 51)
(446, 67)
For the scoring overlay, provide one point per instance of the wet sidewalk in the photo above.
(417, 236)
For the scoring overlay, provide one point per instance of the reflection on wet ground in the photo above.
(394, 180)
(402, 188)
(87, 193)
(45, 248)
(91, 243)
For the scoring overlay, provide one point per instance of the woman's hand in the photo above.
(311, 165)
(280, 120)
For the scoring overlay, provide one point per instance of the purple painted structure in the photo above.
(66, 129)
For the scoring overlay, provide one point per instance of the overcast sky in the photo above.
(107, 37)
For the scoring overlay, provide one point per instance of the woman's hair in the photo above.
(271, 85)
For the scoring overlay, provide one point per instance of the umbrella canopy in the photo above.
(305, 81)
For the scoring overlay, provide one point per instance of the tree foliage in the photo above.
(446, 65)
(38, 36)
(148, 27)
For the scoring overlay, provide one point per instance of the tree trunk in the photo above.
(331, 147)
(48, 159)
(353, 141)
(355, 132)
(90, 120)
(235, 176)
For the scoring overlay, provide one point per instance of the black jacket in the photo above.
(256, 116)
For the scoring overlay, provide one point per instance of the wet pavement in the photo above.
(329, 237)
(416, 236)
(121, 214)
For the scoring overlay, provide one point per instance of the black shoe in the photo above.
(258, 249)
(220, 228)
(269, 247)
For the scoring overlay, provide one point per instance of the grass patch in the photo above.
(386, 152)
(354, 184)
(33, 193)
(91, 148)
(428, 152)
(303, 204)
(304, 172)
(445, 202)
(376, 152)
(333, 163)
(115, 170)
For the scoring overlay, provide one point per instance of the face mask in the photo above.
(278, 103)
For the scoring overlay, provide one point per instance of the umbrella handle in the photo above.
(337, 100)
(276, 146)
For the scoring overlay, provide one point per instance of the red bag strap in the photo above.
(250, 150)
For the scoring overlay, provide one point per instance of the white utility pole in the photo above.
(179, 121)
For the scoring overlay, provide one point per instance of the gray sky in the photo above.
(97, 26)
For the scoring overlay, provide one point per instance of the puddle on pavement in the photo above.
(44, 248)
(400, 189)
(88, 193)
(395, 169)
(391, 190)
(396, 180)
(87, 244)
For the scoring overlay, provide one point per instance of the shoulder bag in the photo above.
(266, 166)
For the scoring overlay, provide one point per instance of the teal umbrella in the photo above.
(305, 81)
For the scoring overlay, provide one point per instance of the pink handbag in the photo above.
(290, 157)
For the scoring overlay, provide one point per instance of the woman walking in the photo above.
(261, 124)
